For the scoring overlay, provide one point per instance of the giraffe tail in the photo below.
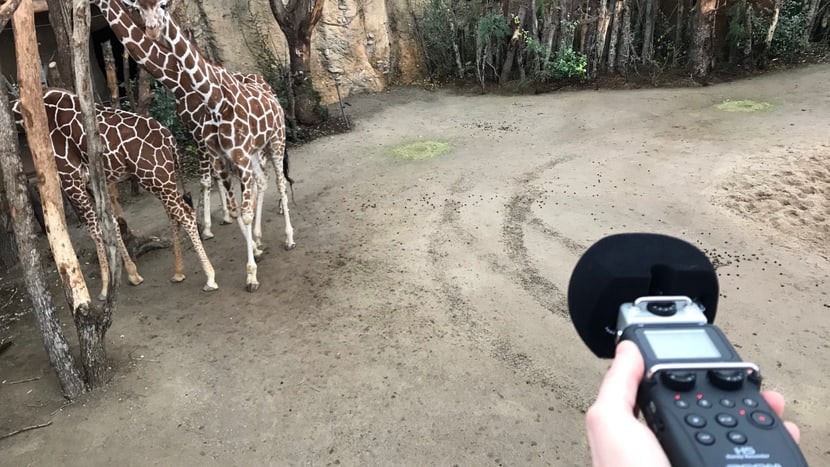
(285, 173)
(179, 173)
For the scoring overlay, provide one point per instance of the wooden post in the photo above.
(92, 326)
(37, 133)
(60, 19)
(20, 212)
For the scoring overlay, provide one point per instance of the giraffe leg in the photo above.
(100, 250)
(226, 192)
(261, 184)
(79, 198)
(224, 195)
(245, 221)
(181, 215)
(185, 217)
(132, 271)
(210, 274)
(205, 183)
(178, 261)
(277, 151)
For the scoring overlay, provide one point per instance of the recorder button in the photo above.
(728, 380)
(695, 421)
(727, 402)
(726, 420)
(736, 437)
(750, 402)
(762, 419)
(679, 380)
(703, 437)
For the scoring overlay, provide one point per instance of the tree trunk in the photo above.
(583, 33)
(771, 31)
(602, 34)
(615, 33)
(549, 26)
(20, 215)
(297, 19)
(678, 32)
(702, 52)
(8, 250)
(93, 325)
(811, 19)
(648, 30)
(625, 52)
(60, 17)
(514, 45)
(451, 20)
(37, 133)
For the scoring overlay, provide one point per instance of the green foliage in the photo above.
(163, 109)
(790, 37)
(568, 64)
(438, 39)
(492, 27)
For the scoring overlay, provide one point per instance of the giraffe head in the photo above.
(153, 13)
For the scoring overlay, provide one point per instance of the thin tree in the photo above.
(93, 326)
(297, 19)
(31, 259)
(91, 320)
(60, 17)
(702, 51)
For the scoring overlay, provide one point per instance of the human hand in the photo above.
(616, 436)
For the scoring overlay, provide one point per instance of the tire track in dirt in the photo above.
(518, 215)
(464, 316)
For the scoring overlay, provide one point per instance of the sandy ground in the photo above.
(421, 320)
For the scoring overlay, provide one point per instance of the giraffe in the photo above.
(190, 108)
(133, 145)
(243, 124)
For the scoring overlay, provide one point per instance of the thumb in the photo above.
(619, 387)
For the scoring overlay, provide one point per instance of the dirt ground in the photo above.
(421, 320)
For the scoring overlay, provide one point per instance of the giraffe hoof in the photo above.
(102, 297)
(210, 287)
(177, 278)
(207, 235)
(251, 287)
(136, 280)
(225, 222)
(290, 246)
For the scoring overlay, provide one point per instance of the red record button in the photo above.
(762, 419)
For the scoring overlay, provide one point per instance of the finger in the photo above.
(619, 387)
(776, 401)
(794, 431)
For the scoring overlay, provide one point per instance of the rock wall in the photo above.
(364, 45)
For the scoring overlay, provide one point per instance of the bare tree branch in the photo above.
(23, 430)
(279, 11)
(6, 11)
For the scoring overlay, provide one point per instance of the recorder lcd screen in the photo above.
(681, 344)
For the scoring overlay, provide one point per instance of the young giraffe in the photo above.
(244, 122)
(133, 145)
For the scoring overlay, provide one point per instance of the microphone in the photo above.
(700, 399)
(621, 268)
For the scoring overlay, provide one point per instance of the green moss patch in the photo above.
(421, 150)
(743, 106)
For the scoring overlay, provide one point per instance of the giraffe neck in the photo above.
(160, 62)
(205, 78)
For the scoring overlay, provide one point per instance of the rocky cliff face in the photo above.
(364, 45)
